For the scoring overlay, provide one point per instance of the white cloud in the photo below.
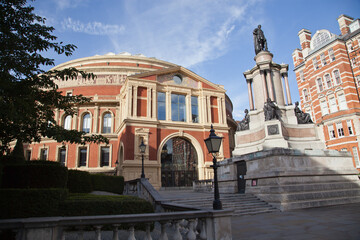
(64, 4)
(184, 32)
(92, 28)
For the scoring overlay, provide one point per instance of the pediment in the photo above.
(179, 76)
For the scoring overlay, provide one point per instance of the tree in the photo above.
(28, 94)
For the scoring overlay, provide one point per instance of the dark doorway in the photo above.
(178, 163)
(241, 172)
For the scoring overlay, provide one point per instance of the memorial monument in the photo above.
(279, 155)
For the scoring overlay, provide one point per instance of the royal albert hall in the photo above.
(139, 99)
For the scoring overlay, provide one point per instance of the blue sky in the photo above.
(213, 38)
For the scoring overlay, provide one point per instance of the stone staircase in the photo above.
(242, 204)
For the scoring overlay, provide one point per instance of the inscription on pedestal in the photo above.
(273, 129)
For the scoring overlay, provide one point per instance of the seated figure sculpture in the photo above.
(270, 110)
(244, 124)
(302, 118)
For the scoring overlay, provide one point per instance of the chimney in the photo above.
(344, 22)
(305, 39)
(297, 57)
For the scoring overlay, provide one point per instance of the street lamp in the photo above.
(142, 151)
(213, 143)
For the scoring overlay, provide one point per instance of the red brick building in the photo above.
(328, 77)
(134, 99)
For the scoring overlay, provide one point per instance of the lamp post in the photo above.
(142, 151)
(213, 143)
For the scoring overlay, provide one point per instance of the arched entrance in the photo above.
(178, 163)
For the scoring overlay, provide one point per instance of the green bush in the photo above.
(34, 174)
(89, 204)
(102, 182)
(79, 182)
(23, 203)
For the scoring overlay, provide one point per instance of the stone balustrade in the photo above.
(181, 225)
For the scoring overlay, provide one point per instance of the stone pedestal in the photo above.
(291, 179)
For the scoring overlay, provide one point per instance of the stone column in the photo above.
(262, 73)
(223, 105)
(208, 109)
(75, 123)
(251, 100)
(135, 98)
(285, 75)
(270, 85)
(219, 102)
(188, 108)
(129, 102)
(96, 119)
(154, 103)
(168, 106)
(148, 102)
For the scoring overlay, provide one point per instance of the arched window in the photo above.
(328, 81)
(86, 123)
(320, 84)
(67, 122)
(107, 123)
(337, 77)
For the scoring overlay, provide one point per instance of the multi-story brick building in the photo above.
(135, 99)
(328, 77)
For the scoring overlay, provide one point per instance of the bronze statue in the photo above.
(260, 42)
(270, 110)
(302, 118)
(244, 124)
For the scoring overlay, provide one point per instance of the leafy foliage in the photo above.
(28, 94)
(113, 184)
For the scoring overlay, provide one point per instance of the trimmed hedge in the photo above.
(23, 203)
(79, 182)
(102, 182)
(89, 204)
(34, 174)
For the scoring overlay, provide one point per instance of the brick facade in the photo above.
(328, 77)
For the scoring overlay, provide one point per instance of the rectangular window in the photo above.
(349, 126)
(342, 101)
(332, 103)
(178, 108)
(82, 157)
(324, 108)
(331, 54)
(340, 129)
(356, 156)
(320, 84)
(62, 156)
(194, 109)
(337, 77)
(44, 154)
(358, 80)
(353, 62)
(331, 131)
(323, 60)
(161, 98)
(315, 64)
(302, 78)
(105, 156)
(305, 95)
(328, 81)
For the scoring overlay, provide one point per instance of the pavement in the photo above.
(341, 222)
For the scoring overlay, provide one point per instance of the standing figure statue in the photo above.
(244, 124)
(302, 118)
(270, 110)
(260, 42)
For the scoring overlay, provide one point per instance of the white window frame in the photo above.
(67, 122)
(332, 104)
(58, 154)
(331, 131)
(110, 155)
(319, 84)
(358, 80)
(323, 59)
(328, 80)
(46, 148)
(342, 101)
(302, 78)
(324, 107)
(340, 129)
(87, 123)
(331, 54)
(337, 76)
(306, 95)
(353, 62)
(315, 64)
(103, 122)
(350, 128)
(78, 156)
